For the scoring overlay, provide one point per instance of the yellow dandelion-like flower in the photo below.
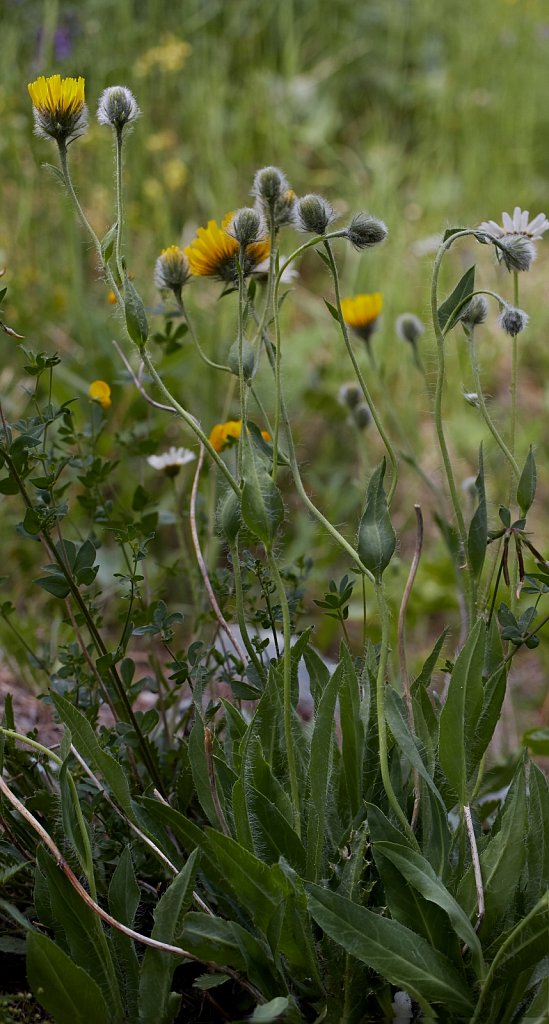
(59, 107)
(213, 253)
(99, 391)
(361, 313)
(223, 433)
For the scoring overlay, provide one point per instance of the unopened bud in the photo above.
(516, 251)
(350, 395)
(118, 107)
(313, 213)
(475, 312)
(362, 416)
(246, 226)
(513, 320)
(409, 327)
(365, 231)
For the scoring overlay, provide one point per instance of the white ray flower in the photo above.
(518, 224)
(172, 460)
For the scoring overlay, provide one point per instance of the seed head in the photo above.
(365, 231)
(313, 213)
(118, 107)
(517, 252)
(513, 320)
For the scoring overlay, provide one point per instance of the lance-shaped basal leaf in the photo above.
(459, 716)
(526, 489)
(478, 529)
(376, 537)
(449, 312)
(262, 508)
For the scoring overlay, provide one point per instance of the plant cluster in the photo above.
(268, 836)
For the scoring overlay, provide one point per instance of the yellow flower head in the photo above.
(59, 107)
(99, 391)
(361, 313)
(223, 433)
(213, 253)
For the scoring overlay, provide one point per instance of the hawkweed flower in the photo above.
(59, 108)
(224, 434)
(99, 391)
(361, 314)
(170, 462)
(274, 198)
(118, 107)
(349, 395)
(409, 328)
(313, 213)
(172, 270)
(513, 320)
(215, 253)
(365, 231)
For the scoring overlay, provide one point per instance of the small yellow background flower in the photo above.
(361, 310)
(99, 391)
(223, 432)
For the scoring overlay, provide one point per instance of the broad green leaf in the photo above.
(538, 1011)
(320, 767)
(123, 903)
(537, 839)
(86, 939)
(199, 768)
(207, 981)
(460, 713)
(527, 948)
(395, 952)
(493, 697)
(270, 1011)
(376, 538)
(419, 874)
(65, 991)
(424, 677)
(55, 585)
(156, 1002)
(251, 880)
(86, 743)
(74, 826)
(449, 310)
(319, 673)
(211, 939)
(229, 517)
(396, 720)
(107, 242)
(478, 530)
(273, 836)
(537, 740)
(526, 489)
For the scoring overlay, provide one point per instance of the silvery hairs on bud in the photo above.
(270, 183)
(313, 213)
(409, 327)
(475, 312)
(516, 252)
(513, 320)
(247, 226)
(365, 231)
(118, 107)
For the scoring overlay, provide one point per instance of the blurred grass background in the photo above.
(423, 112)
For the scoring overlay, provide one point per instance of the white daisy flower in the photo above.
(518, 224)
(171, 461)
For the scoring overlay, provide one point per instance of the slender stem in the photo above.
(402, 649)
(483, 407)
(243, 395)
(189, 420)
(119, 206)
(382, 728)
(476, 864)
(541, 906)
(371, 405)
(287, 675)
(205, 359)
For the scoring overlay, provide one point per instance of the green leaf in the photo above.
(200, 773)
(449, 232)
(72, 822)
(537, 1012)
(270, 1011)
(320, 767)
(262, 508)
(537, 740)
(57, 586)
(85, 741)
(65, 991)
(205, 982)
(352, 733)
(460, 713)
(229, 518)
(537, 839)
(123, 903)
(332, 309)
(107, 242)
(136, 318)
(526, 489)
(155, 1003)
(397, 954)
(397, 722)
(478, 529)
(448, 312)
(376, 537)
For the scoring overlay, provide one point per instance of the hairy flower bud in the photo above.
(409, 327)
(313, 213)
(269, 185)
(365, 231)
(516, 251)
(350, 395)
(362, 416)
(118, 107)
(171, 269)
(513, 320)
(247, 226)
(475, 312)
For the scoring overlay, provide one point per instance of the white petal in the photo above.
(517, 212)
(539, 223)
(508, 224)
(524, 220)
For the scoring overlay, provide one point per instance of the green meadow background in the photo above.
(426, 113)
